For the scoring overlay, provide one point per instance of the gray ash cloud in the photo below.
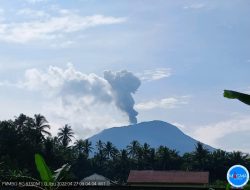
(124, 84)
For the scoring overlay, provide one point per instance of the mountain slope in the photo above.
(155, 133)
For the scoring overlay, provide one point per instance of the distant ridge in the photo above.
(155, 133)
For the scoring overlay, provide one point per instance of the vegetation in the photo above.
(47, 176)
(23, 137)
(245, 98)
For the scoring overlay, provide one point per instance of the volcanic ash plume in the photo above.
(82, 92)
(124, 84)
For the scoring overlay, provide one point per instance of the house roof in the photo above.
(95, 177)
(172, 177)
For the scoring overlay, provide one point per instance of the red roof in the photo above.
(174, 177)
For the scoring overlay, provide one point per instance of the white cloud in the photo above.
(248, 90)
(86, 120)
(155, 74)
(31, 13)
(51, 27)
(64, 44)
(195, 6)
(67, 83)
(211, 134)
(165, 103)
(179, 125)
(86, 101)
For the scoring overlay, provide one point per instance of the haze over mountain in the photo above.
(155, 133)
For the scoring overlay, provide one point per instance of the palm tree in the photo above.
(20, 122)
(146, 150)
(49, 147)
(41, 124)
(219, 164)
(163, 157)
(175, 160)
(79, 146)
(84, 146)
(187, 161)
(133, 148)
(201, 155)
(109, 150)
(99, 145)
(87, 147)
(122, 166)
(238, 157)
(99, 155)
(152, 158)
(65, 134)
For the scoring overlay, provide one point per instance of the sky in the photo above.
(98, 64)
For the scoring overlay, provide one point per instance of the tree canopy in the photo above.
(23, 137)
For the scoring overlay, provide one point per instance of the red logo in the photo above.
(235, 175)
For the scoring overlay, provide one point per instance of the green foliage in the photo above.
(228, 187)
(21, 139)
(245, 98)
(65, 135)
(46, 174)
(83, 146)
(43, 169)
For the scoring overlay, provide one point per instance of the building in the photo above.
(168, 178)
(96, 180)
